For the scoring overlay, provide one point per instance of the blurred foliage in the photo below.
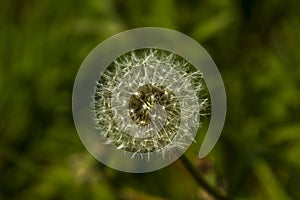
(255, 44)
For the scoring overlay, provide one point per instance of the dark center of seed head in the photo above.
(145, 98)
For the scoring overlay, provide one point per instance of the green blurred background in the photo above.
(255, 44)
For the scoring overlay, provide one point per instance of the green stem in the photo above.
(200, 180)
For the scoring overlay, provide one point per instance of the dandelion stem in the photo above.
(200, 180)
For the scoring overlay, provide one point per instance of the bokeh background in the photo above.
(255, 44)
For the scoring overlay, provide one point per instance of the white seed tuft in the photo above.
(149, 101)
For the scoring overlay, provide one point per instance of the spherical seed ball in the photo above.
(148, 101)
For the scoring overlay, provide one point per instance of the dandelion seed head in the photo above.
(149, 101)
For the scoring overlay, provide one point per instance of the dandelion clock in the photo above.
(139, 98)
